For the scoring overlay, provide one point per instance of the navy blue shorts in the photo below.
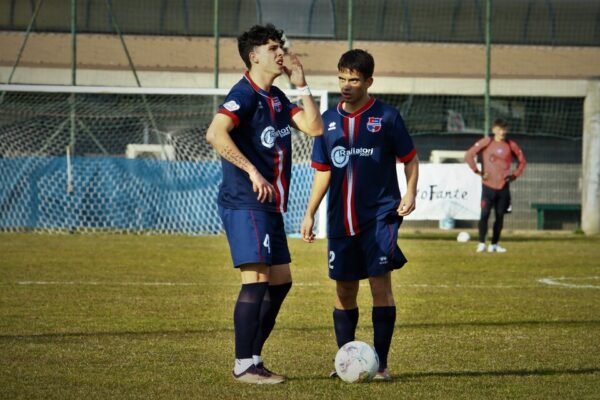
(255, 237)
(372, 252)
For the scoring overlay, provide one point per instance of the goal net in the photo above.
(79, 159)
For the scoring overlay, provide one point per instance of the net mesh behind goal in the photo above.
(115, 161)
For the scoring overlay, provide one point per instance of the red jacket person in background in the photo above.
(496, 154)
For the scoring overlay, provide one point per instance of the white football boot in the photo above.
(496, 248)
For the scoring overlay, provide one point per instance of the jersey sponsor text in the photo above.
(269, 135)
(340, 155)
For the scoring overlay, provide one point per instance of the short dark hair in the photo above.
(359, 61)
(257, 36)
(500, 122)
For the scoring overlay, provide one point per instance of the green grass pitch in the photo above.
(145, 317)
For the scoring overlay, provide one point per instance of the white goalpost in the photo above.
(131, 160)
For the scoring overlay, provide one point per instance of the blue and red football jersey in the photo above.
(361, 149)
(263, 134)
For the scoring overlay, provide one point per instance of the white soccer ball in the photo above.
(463, 237)
(356, 362)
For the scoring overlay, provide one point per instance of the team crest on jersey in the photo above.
(276, 104)
(374, 124)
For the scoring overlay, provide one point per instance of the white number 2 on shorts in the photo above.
(331, 259)
(267, 243)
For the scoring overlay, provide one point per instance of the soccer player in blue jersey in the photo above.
(356, 160)
(252, 133)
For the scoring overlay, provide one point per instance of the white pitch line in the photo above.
(94, 283)
(300, 284)
(550, 282)
(559, 281)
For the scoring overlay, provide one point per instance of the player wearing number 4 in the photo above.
(252, 133)
(356, 160)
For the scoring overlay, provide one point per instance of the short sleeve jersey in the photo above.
(360, 149)
(263, 134)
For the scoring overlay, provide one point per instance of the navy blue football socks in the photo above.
(246, 317)
(269, 309)
(344, 324)
(384, 319)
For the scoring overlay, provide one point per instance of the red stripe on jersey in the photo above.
(295, 111)
(353, 192)
(408, 157)
(236, 120)
(346, 130)
(345, 195)
(276, 178)
(271, 109)
(356, 129)
(284, 183)
(352, 205)
(320, 167)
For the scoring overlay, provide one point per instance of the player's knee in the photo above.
(346, 296)
(346, 293)
(383, 298)
(280, 274)
(382, 295)
(381, 290)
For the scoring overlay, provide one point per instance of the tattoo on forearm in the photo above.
(234, 157)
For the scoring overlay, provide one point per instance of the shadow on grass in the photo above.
(402, 378)
(518, 372)
(427, 325)
(41, 337)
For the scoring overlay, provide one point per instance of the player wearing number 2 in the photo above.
(252, 133)
(356, 160)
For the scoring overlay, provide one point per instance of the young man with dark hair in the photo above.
(356, 160)
(252, 133)
(496, 153)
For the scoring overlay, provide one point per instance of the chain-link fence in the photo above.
(548, 127)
